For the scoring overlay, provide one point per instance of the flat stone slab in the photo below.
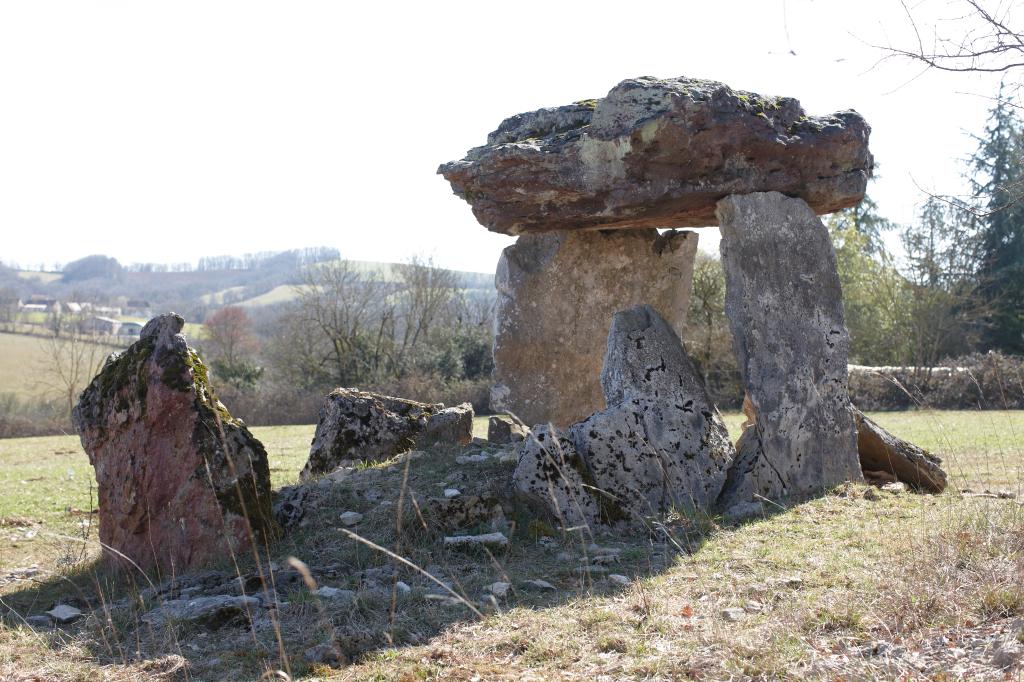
(489, 540)
(208, 612)
(659, 153)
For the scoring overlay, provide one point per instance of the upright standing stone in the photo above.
(181, 483)
(557, 293)
(660, 445)
(785, 309)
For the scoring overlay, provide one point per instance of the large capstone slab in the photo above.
(660, 445)
(361, 425)
(181, 483)
(557, 293)
(659, 153)
(785, 310)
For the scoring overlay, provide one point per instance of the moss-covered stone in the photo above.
(181, 481)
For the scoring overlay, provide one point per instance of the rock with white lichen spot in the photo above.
(181, 482)
(360, 425)
(658, 153)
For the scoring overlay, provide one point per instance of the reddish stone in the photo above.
(181, 483)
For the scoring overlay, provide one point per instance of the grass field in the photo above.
(814, 585)
(25, 365)
(42, 478)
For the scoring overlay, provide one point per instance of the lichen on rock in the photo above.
(180, 480)
(658, 153)
(366, 426)
(660, 445)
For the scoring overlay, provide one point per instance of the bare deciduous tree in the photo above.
(342, 303)
(72, 360)
(427, 292)
(972, 38)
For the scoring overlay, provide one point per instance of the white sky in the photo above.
(167, 131)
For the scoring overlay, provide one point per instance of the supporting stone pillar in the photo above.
(785, 309)
(557, 293)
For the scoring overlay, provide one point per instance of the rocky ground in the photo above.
(861, 584)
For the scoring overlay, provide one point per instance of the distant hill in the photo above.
(252, 280)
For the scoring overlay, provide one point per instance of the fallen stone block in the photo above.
(358, 425)
(450, 426)
(880, 451)
(505, 429)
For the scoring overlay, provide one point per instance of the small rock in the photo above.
(499, 589)
(753, 607)
(1008, 654)
(64, 614)
(605, 559)
(490, 540)
(445, 599)
(895, 488)
(334, 593)
(325, 654)
(732, 614)
(504, 430)
(470, 459)
(403, 587)
(351, 518)
(618, 579)
(539, 585)
(39, 622)
(595, 570)
(596, 549)
(209, 612)
(449, 493)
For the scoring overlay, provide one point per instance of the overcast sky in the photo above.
(167, 131)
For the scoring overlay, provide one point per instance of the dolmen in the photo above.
(585, 187)
(181, 482)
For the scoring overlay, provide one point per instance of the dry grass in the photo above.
(820, 582)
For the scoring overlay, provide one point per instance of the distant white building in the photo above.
(130, 329)
(97, 324)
